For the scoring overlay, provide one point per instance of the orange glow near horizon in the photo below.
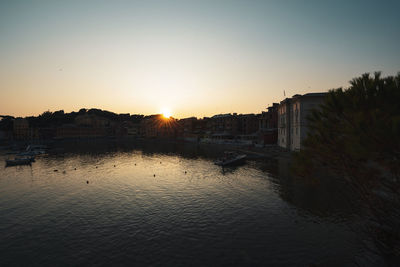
(166, 112)
(198, 58)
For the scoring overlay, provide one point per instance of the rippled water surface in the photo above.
(170, 207)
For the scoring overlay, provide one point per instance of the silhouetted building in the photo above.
(21, 129)
(225, 125)
(189, 125)
(92, 120)
(301, 107)
(268, 125)
(133, 129)
(190, 131)
(208, 124)
(247, 124)
(156, 126)
(46, 133)
(6, 128)
(74, 131)
(148, 126)
(292, 122)
(284, 110)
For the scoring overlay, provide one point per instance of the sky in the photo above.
(195, 58)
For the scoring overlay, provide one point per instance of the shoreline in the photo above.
(268, 151)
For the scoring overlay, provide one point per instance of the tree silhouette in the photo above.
(356, 133)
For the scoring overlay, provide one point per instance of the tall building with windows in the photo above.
(284, 110)
(293, 123)
(302, 106)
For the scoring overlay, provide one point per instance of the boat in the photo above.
(231, 159)
(33, 150)
(20, 161)
(38, 149)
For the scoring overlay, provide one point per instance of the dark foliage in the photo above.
(356, 134)
(58, 118)
(6, 123)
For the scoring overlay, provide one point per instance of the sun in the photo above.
(166, 112)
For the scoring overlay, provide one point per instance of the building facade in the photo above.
(248, 124)
(293, 125)
(268, 125)
(302, 106)
(284, 110)
(225, 125)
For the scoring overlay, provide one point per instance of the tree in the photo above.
(356, 134)
(6, 123)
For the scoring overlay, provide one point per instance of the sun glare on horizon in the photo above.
(166, 112)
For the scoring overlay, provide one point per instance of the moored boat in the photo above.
(20, 161)
(231, 159)
(33, 150)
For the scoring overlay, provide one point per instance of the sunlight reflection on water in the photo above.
(125, 215)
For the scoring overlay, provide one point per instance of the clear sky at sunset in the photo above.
(193, 57)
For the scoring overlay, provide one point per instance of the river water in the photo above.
(167, 205)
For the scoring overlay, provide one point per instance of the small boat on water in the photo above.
(20, 161)
(231, 159)
(33, 150)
